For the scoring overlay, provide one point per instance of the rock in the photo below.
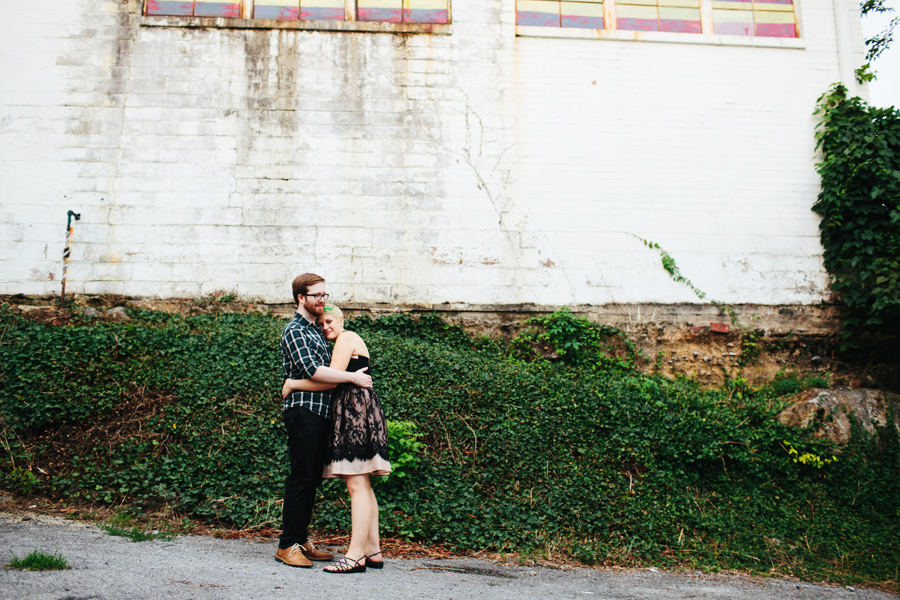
(829, 411)
(29, 308)
(90, 311)
(118, 312)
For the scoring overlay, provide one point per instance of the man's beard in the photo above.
(315, 309)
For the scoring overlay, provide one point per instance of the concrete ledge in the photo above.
(506, 319)
(630, 318)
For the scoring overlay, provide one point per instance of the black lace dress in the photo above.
(358, 442)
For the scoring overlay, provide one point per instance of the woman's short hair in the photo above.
(334, 310)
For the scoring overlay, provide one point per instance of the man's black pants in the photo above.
(307, 441)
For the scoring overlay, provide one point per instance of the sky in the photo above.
(885, 90)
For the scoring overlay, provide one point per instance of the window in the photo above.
(760, 18)
(771, 18)
(194, 9)
(682, 16)
(387, 11)
(588, 15)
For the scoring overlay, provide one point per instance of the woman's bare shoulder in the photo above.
(348, 337)
(352, 339)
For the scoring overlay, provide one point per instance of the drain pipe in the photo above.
(66, 253)
(845, 45)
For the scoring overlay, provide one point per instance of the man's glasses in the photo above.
(316, 296)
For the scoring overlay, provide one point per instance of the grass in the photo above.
(135, 534)
(121, 524)
(39, 561)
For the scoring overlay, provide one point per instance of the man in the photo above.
(306, 354)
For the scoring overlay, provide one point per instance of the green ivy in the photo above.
(667, 261)
(575, 340)
(880, 42)
(569, 451)
(669, 265)
(860, 208)
(404, 447)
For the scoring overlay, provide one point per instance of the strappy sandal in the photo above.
(374, 564)
(343, 566)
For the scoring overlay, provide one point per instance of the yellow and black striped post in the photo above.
(66, 253)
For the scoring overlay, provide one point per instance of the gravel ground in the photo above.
(104, 567)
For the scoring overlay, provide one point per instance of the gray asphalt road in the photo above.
(104, 567)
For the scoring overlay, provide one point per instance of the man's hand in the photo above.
(361, 379)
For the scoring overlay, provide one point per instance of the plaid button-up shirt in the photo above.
(303, 350)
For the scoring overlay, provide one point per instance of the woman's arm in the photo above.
(327, 374)
(346, 345)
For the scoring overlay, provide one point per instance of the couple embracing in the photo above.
(335, 426)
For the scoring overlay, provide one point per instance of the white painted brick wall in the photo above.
(474, 167)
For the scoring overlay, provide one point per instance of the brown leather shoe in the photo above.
(313, 553)
(293, 557)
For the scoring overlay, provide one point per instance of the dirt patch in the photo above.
(715, 357)
(757, 358)
(53, 449)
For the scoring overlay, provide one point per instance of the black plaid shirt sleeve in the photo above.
(303, 350)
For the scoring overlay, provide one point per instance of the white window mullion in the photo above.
(609, 15)
(706, 17)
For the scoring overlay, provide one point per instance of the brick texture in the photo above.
(474, 167)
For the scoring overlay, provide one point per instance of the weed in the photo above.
(750, 347)
(39, 561)
(135, 534)
(122, 524)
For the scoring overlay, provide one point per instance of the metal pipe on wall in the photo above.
(66, 253)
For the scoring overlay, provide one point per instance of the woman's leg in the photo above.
(361, 511)
(373, 542)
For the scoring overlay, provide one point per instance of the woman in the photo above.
(358, 445)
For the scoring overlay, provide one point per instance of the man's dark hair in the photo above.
(303, 282)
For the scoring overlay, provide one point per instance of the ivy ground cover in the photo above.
(499, 451)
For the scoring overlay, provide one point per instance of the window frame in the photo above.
(246, 21)
(704, 38)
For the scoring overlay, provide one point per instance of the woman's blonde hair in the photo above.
(333, 309)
